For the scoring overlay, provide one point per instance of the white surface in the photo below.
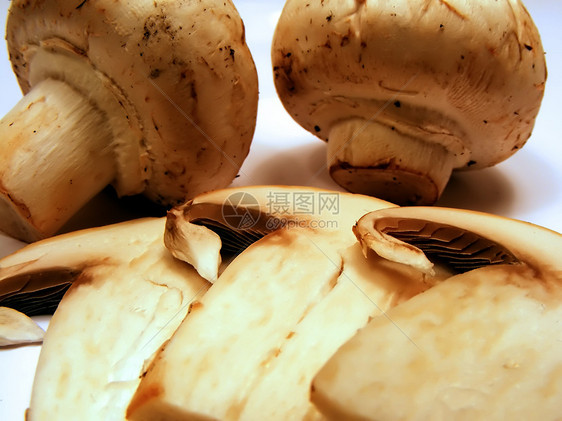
(528, 186)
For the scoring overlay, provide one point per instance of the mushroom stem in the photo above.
(54, 149)
(371, 158)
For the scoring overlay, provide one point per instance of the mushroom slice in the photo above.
(18, 329)
(405, 92)
(463, 240)
(273, 316)
(34, 279)
(228, 221)
(127, 296)
(152, 98)
(481, 344)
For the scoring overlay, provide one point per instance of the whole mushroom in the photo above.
(153, 97)
(405, 92)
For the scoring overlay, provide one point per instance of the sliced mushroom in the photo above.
(274, 315)
(407, 91)
(126, 296)
(158, 98)
(461, 239)
(16, 328)
(34, 278)
(135, 337)
(229, 220)
(482, 344)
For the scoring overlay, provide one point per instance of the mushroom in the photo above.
(276, 312)
(152, 97)
(17, 329)
(405, 92)
(291, 288)
(481, 344)
(124, 287)
(227, 221)
(124, 296)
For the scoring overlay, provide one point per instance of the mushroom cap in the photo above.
(183, 83)
(467, 75)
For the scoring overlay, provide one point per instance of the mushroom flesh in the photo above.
(482, 344)
(275, 313)
(124, 295)
(291, 288)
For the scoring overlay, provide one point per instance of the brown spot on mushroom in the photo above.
(201, 152)
(155, 73)
(193, 90)
(283, 72)
(23, 209)
(144, 395)
(196, 305)
(146, 34)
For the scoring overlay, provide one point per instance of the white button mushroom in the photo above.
(407, 91)
(154, 97)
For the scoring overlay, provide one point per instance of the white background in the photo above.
(528, 186)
